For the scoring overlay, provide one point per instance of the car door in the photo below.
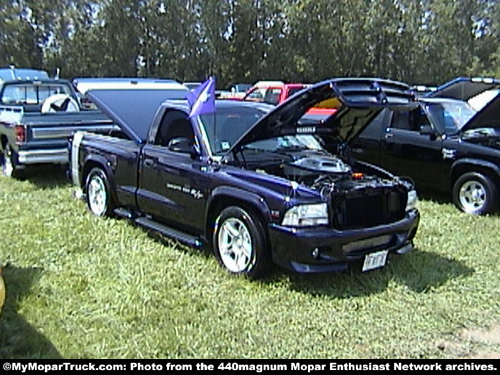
(172, 182)
(410, 146)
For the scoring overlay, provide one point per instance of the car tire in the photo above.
(475, 193)
(98, 193)
(240, 243)
(8, 160)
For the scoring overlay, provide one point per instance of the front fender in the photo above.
(473, 164)
(251, 199)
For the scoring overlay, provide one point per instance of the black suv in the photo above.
(444, 143)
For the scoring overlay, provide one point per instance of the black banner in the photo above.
(263, 366)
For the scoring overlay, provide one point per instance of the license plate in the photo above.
(375, 260)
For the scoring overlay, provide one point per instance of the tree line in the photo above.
(416, 41)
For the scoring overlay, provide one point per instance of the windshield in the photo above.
(451, 115)
(225, 127)
(32, 93)
(287, 143)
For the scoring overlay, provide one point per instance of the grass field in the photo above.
(83, 287)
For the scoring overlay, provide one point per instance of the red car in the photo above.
(276, 92)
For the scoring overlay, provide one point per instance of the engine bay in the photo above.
(358, 194)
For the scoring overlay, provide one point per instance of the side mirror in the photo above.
(182, 145)
(427, 130)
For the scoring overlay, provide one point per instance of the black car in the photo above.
(443, 145)
(256, 183)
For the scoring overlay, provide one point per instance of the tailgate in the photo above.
(42, 128)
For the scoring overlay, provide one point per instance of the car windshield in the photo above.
(287, 143)
(225, 127)
(452, 115)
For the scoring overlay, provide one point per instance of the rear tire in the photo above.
(8, 160)
(99, 199)
(240, 243)
(475, 193)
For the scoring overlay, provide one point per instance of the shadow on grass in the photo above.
(420, 271)
(435, 196)
(47, 176)
(18, 339)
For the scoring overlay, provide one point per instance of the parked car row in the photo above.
(319, 180)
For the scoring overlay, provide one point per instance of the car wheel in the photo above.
(474, 193)
(239, 243)
(99, 199)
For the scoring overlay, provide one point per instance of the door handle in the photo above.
(358, 151)
(389, 135)
(149, 163)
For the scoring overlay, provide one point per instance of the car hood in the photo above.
(463, 88)
(487, 117)
(355, 102)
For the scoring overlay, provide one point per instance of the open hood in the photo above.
(355, 101)
(133, 109)
(463, 88)
(487, 117)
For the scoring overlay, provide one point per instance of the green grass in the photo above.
(83, 287)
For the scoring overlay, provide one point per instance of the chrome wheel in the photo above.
(472, 196)
(235, 245)
(97, 195)
(475, 193)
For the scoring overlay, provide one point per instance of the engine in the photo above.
(356, 199)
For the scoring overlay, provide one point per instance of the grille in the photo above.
(367, 208)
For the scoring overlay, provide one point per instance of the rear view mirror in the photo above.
(182, 145)
(427, 130)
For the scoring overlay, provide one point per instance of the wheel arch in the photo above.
(484, 167)
(95, 161)
(223, 197)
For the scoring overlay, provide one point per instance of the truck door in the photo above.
(411, 147)
(172, 183)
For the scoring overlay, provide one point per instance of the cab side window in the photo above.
(175, 124)
(409, 120)
(401, 120)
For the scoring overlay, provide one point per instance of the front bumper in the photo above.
(323, 249)
(49, 156)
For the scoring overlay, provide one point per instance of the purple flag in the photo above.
(202, 99)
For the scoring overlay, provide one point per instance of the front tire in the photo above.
(99, 199)
(240, 243)
(475, 193)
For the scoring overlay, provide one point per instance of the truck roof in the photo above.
(84, 84)
(13, 74)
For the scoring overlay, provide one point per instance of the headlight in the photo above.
(306, 215)
(411, 203)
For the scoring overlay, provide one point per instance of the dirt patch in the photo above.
(491, 336)
(474, 344)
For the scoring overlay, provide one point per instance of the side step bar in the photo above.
(169, 232)
(163, 229)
